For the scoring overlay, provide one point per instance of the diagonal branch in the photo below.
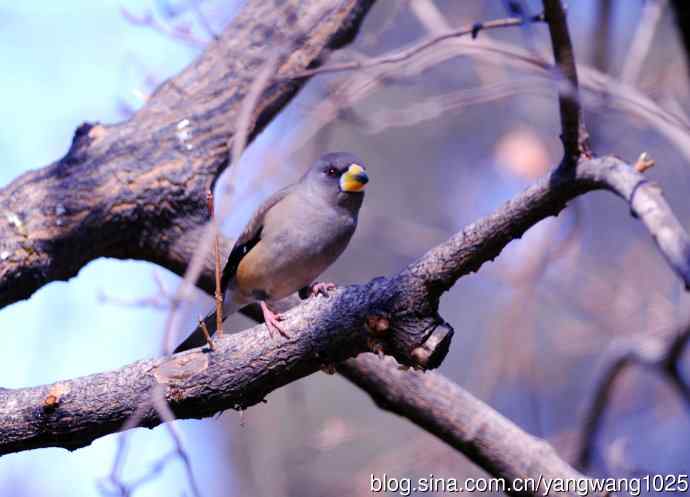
(659, 353)
(443, 408)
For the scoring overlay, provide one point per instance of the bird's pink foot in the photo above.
(322, 288)
(272, 320)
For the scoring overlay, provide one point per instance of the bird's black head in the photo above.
(339, 176)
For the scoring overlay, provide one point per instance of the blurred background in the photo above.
(445, 144)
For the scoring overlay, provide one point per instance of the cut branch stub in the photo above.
(403, 322)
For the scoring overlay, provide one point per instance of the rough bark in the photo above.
(241, 370)
(441, 407)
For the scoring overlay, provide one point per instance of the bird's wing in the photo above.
(250, 236)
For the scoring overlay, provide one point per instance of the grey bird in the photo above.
(293, 237)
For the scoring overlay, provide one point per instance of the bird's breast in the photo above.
(293, 253)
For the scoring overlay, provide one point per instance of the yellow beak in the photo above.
(354, 179)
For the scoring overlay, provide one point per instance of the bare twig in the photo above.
(158, 405)
(644, 162)
(148, 20)
(431, 108)
(574, 134)
(216, 254)
(403, 55)
(207, 335)
(602, 89)
(661, 353)
(166, 415)
(211, 231)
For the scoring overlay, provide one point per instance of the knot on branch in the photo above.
(84, 135)
(405, 324)
(433, 351)
(413, 340)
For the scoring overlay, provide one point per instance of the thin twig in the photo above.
(148, 20)
(407, 54)
(210, 232)
(207, 335)
(574, 134)
(158, 403)
(167, 416)
(603, 89)
(216, 253)
(661, 353)
(262, 80)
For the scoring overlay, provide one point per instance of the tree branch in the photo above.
(574, 134)
(240, 372)
(661, 353)
(403, 55)
(465, 423)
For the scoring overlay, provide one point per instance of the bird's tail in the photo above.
(197, 338)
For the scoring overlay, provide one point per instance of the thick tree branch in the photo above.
(241, 371)
(153, 170)
(575, 137)
(443, 408)
(483, 240)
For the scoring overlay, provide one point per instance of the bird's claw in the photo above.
(273, 326)
(272, 321)
(322, 288)
(328, 368)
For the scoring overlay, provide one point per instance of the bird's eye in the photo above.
(331, 171)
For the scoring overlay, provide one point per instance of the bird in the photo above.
(293, 237)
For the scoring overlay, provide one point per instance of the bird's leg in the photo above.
(321, 288)
(272, 320)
